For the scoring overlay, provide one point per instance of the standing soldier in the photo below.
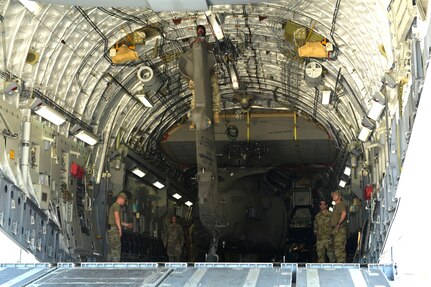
(339, 227)
(114, 228)
(174, 240)
(322, 229)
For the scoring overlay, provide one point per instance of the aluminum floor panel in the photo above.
(20, 275)
(275, 277)
(247, 277)
(321, 277)
(375, 278)
(202, 274)
(103, 277)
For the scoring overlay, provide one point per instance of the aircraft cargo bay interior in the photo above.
(214, 142)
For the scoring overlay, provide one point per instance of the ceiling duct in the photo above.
(313, 74)
(149, 79)
(146, 75)
(32, 57)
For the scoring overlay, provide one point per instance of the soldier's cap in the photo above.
(123, 195)
(336, 192)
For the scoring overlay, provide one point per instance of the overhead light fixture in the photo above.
(367, 128)
(235, 84)
(188, 203)
(48, 113)
(87, 137)
(347, 171)
(144, 100)
(376, 109)
(344, 180)
(215, 25)
(342, 183)
(326, 97)
(31, 5)
(364, 134)
(137, 171)
(158, 184)
(11, 86)
(233, 77)
(176, 196)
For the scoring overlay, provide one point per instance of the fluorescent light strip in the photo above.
(138, 172)
(342, 183)
(87, 137)
(376, 110)
(347, 171)
(326, 97)
(234, 78)
(364, 134)
(188, 203)
(31, 6)
(176, 196)
(50, 114)
(158, 184)
(145, 101)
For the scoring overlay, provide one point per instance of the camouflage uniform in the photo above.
(339, 235)
(114, 240)
(322, 229)
(174, 241)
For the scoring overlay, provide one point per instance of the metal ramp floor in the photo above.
(199, 274)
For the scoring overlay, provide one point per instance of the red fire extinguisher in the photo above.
(368, 191)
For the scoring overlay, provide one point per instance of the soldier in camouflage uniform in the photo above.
(174, 240)
(322, 229)
(339, 227)
(114, 228)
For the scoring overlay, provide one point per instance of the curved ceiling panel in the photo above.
(76, 71)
